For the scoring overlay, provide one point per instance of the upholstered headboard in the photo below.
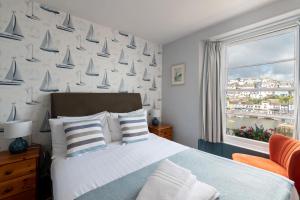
(81, 104)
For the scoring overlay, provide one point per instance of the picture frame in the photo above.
(178, 74)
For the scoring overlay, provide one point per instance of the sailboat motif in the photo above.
(146, 100)
(91, 70)
(30, 14)
(79, 82)
(132, 71)
(132, 44)
(153, 87)
(30, 56)
(146, 51)
(12, 115)
(47, 44)
(139, 84)
(105, 82)
(45, 127)
(114, 38)
(122, 87)
(122, 59)
(123, 33)
(146, 76)
(139, 57)
(153, 61)
(159, 52)
(104, 52)
(48, 8)
(29, 97)
(154, 107)
(47, 84)
(91, 35)
(79, 45)
(67, 24)
(67, 63)
(68, 89)
(13, 77)
(114, 69)
(12, 30)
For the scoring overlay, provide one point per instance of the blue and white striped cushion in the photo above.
(83, 136)
(134, 127)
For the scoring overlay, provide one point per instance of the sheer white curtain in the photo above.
(211, 113)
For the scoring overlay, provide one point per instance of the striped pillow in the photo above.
(83, 136)
(134, 127)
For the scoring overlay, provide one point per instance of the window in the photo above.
(261, 87)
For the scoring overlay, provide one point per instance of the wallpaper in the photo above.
(44, 50)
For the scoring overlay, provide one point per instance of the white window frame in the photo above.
(254, 35)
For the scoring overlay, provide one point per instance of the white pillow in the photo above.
(114, 124)
(58, 134)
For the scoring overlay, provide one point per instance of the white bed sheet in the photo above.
(75, 176)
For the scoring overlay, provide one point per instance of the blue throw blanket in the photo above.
(234, 181)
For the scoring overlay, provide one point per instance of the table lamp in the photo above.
(155, 116)
(17, 130)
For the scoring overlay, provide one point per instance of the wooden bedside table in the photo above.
(18, 174)
(163, 130)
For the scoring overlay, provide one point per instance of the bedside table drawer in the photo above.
(17, 185)
(165, 133)
(17, 169)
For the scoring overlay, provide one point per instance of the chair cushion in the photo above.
(260, 162)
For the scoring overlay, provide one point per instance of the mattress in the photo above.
(74, 177)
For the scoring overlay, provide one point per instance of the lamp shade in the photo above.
(156, 113)
(16, 129)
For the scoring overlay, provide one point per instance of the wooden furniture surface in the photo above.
(163, 130)
(18, 174)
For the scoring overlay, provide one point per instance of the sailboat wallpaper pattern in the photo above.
(44, 50)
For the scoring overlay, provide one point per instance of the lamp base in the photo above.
(155, 121)
(19, 145)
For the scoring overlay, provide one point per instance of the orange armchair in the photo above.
(284, 158)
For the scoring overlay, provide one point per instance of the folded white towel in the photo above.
(172, 182)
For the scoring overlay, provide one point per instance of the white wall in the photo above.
(180, 106)
(33, 73)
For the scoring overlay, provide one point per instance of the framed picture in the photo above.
(178, 74)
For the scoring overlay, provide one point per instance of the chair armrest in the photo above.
(294, 169)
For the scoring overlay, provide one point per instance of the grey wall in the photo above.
(180, 105)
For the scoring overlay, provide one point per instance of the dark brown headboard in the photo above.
(81, 104)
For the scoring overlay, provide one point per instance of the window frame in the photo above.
(254, 36)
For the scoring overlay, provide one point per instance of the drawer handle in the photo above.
(8, 173)
(8, 190)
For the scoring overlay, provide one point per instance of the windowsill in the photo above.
(253, 145)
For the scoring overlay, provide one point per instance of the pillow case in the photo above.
(114, 124)
(83, 136)
(58, 135)
(134, 127)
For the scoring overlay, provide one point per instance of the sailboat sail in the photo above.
(12, 30)
(29, 98)
(47, 44)
(67, 63)
(153, 62)
(47, 84)
(48, 8)
(114, 38)
(139, 57)
(91, 70)
(132, 44)
(68, 89)
(67, 24)
(132, 71)
(114, 68)
(153, 87)
(91, 35)
(154, 107)
(79, 45)
(79, 82)
(122, 59)
(122, 87)
(13, 77)
(45, 127)
(30, 56)
(105, 82)
(105, 51)
(12, 115)
(146, 51)
(30, 13)
(145, 100)
(146, 76)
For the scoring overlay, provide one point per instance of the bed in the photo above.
(118, 172)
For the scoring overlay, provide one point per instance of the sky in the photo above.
(275, 48)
